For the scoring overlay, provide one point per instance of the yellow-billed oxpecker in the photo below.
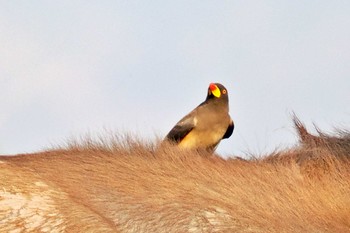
(207, 124)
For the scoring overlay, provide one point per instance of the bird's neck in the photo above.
(223, 105)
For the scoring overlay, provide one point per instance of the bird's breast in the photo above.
(204, 136)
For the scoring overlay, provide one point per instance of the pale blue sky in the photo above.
(72, 67)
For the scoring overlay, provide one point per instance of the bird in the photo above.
(206, 125)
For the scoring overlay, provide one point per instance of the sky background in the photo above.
(72, 67)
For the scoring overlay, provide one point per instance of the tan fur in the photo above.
(135, 187)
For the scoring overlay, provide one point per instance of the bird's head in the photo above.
(217, 91)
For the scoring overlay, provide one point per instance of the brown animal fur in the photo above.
(130, 186)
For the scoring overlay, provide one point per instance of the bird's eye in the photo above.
(224, 91)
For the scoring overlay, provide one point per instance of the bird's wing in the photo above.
(182, 128)
(229, 130)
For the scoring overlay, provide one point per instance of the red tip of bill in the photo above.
(212, 86)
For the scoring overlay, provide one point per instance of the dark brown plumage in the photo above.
(207, 124)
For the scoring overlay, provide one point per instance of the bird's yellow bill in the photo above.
(215, 90)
